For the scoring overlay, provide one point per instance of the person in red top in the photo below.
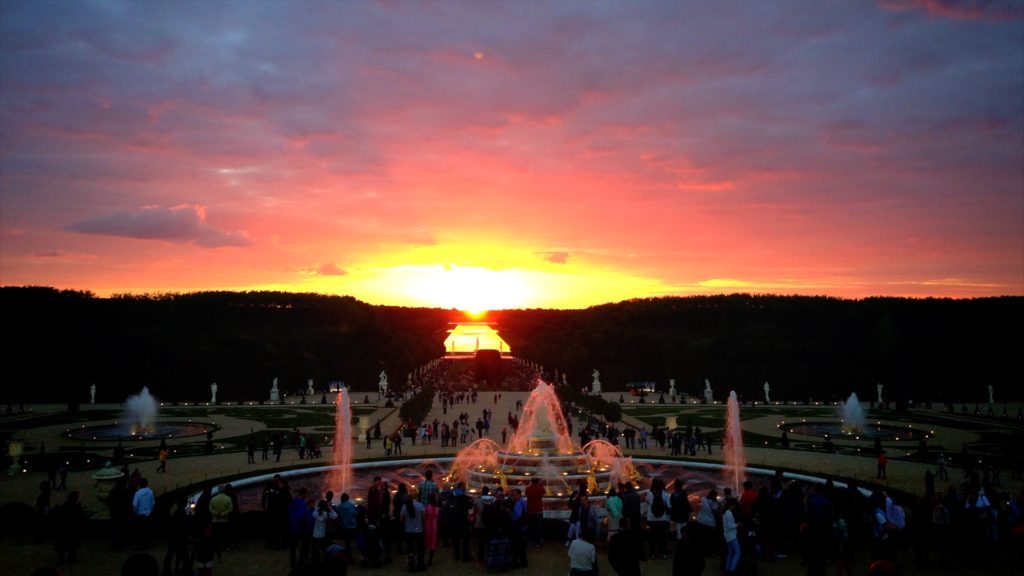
(883, 460)
(535, 511)
(747, 499)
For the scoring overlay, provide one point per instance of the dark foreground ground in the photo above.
(22, 555)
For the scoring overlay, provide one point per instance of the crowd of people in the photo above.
(971, 523)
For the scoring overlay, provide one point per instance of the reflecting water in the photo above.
(868, 432)
(128, 431)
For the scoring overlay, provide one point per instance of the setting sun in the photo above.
(471, 289)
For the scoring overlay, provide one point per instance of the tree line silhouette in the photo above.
(922, 350)
(934, 350)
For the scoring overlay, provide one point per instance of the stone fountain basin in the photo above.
(699, 477)
(870, 431)
(121, 431)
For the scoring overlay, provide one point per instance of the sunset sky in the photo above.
(513, 154)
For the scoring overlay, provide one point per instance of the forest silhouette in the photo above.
(923, 350)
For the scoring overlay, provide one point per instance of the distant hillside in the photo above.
(177, 344)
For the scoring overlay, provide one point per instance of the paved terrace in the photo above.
(251, 559)
(903, 474)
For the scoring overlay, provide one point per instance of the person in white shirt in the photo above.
(707, 520)
(583, 555)
(732, 544)
(144, 500)
(411, 516)
(323, 514)
(143, 503)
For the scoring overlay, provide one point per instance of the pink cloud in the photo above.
(180, 224)
(961, 9)
(327, 269)
(555, 257)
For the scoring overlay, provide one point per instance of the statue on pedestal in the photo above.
(92, 393)
(672, 388)
(709, 396)
(275, 393)
(213, 393)
(382, 384)
(309, 387)
(880, 401)
(767, 391)
(991, 398)
(595, 386)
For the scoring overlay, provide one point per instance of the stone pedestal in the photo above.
(105, 479)
(15, 449)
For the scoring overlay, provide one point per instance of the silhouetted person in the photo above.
(176, 531)
(68, 527)
(624, 550)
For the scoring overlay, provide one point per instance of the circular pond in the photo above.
(124, 432)
(885, 432)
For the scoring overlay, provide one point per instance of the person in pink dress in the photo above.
(430, 527)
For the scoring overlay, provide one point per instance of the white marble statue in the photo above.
(879, 387)
(991, 398)
(672, 387)
(275, 392)
(309, 387)
(408, 381)
(767, 391)
(709, 396)
(565, 378)
(595, 386)
(92, 394)
(382, 384)
(213, 393)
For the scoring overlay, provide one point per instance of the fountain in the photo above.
(852, 414)
(853, 426)
(541, 448)
(340, 478)
(479, 456)
(735, 459)
(140, 412)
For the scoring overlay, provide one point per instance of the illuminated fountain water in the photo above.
(735, 458)
(542, 448)
(340, 478)
(139, 423)
(140, 412)
(852, 414)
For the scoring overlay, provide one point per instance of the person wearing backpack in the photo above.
(458, 531)
(658, 514)
(679, 504)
